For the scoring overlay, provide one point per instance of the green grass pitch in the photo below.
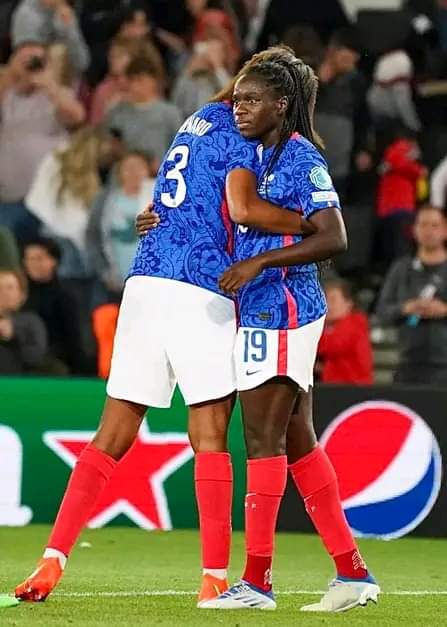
(124, 579)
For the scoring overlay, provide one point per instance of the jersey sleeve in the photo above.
(241, 153)
(315, 189)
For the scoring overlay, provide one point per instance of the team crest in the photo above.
(320, 178)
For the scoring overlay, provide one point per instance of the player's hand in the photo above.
(413, 307)
(239, 274)
(146, 220)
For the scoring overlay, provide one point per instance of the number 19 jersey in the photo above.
(194, 240)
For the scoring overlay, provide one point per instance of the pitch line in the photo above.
(187, 593)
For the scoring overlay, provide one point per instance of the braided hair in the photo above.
(297, 82)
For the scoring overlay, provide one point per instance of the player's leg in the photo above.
(140, 376)
(213, 477)
(118, 429)
(201, 353)
(317, 483)
(266, 411)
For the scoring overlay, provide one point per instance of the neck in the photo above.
(432, 257)
(271, 138)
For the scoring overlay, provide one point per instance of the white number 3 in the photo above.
(167, 198)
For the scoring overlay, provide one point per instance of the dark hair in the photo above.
(298, 83)
(142, 66)
(49, 245)
(342, 285)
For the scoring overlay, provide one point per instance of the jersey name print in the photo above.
(194, 240)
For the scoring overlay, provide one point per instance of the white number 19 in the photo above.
(174, 200)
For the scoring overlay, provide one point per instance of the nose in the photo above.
(239, 108)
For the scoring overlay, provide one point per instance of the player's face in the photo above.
(257, 111)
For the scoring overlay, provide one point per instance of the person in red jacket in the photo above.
(400, 173)
(344, 352)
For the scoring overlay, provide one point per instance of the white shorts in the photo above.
(172, 332)
(261, 354)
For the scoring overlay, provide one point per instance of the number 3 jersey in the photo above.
(195, 238)
(286, 298)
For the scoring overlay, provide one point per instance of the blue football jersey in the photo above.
(195, 238)
(286, 298)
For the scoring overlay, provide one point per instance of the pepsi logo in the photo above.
(389, 467)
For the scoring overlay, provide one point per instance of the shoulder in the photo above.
(401, 266)
(301, 149)
(28, 319)
(216, 112)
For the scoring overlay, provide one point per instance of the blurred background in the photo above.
(91, 95)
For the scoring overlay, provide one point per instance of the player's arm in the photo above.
(329, 239)
(247, 208)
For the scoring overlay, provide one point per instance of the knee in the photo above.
(113, 444)
(209, 439)
(265, 443)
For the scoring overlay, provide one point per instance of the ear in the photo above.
(282, 105)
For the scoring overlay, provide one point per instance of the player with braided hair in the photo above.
(282, 311)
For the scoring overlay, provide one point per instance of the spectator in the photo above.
(438, 185)
(35, 113)
(217, 23)
(23, 342)
(111, 235)
(390, 97)
(146, 122)
(340, 111)
(113, 89)
(206, 73)
(47, 22)
(397, 197)
(65, 185)
(9, 252)
(414, 298)
(344, 352)
(326, 16)
(55, 306)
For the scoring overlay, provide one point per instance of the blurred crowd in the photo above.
(91, 95)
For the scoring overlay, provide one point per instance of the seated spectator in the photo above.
(206, 73)
(390, 97)
(65, 185)
(55, 305)
(9, 251)
(340, 110)
(344, 352)
(146, 122)
(23, 341)
(400, 172)
(35, 113)
(438, 185)
(111, 235)
(113, 89)
(414, 298)
(47, 22)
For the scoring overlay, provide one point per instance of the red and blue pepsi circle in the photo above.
(389, 467)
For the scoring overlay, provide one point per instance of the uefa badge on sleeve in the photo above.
(320, 177)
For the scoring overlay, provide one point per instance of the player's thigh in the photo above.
(140, 370)
(201, 344)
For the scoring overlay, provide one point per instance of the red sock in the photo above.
(266, 482)
(90, 475)
(317, 483)
(214, 494)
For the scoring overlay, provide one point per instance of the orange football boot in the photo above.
(211, 588)
(41, 582)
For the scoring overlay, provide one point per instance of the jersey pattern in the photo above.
(195, 238)
(286, 298)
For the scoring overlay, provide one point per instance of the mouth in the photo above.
(243, 125)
